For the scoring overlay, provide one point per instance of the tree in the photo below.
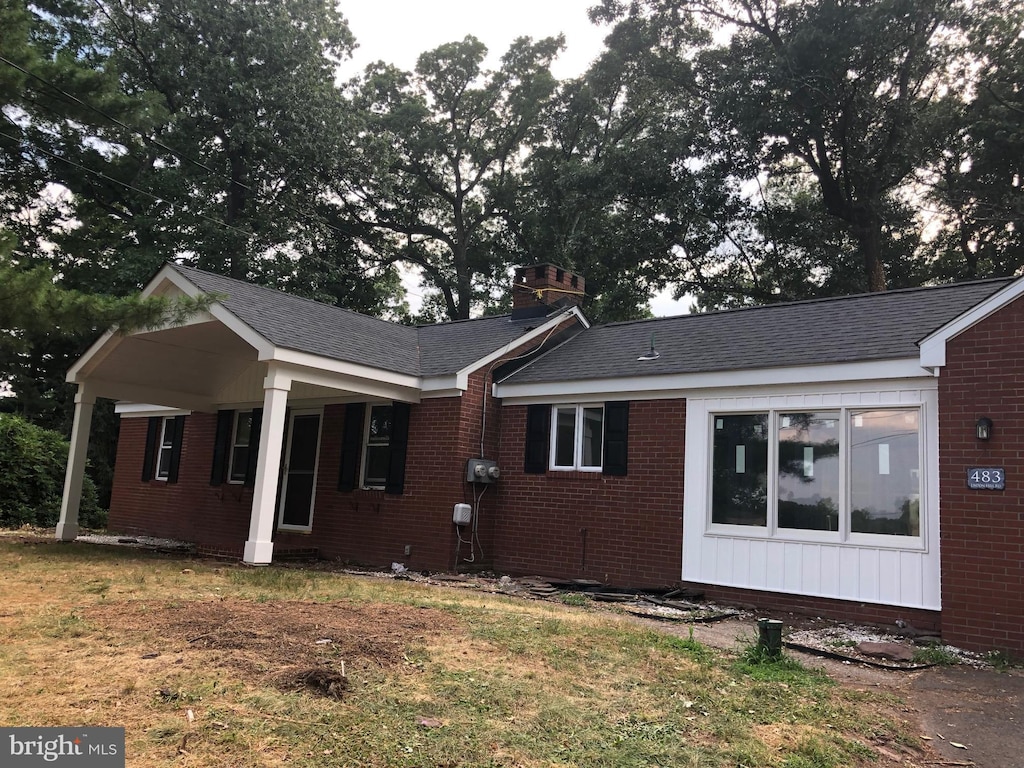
(133, 134)
(440, 153)
(859, 95)
(980, 180)
(247, 124)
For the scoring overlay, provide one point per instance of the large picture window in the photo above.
(885, 476)
(739, 486)
(577, 438)
(845, 472)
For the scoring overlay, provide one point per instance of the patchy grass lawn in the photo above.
(213, 664)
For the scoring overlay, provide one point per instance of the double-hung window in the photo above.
(377, 445)
(162, 457)
(842, 473)
(165, 448)
(241, 439)
(577, 437)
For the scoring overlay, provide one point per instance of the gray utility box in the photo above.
(482, 471)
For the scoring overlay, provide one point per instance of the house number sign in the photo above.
(986, 478)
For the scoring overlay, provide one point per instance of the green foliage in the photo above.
(32, 464)
(32, 303)
(439, 158)
(810, 136)
(936, 654)
(1002, 660)
(756, 660)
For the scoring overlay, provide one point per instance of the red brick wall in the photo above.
(366, 527)
(982, 532)
(178, 510)
(372, 527)
(619, 530)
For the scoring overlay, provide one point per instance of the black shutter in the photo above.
(351, 440)
(222, 447)
(399, 443)
(616, 437)
(254, 447)
(178, 433)
(149, 455)
(538, 422)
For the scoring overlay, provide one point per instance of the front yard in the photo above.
(209, 663)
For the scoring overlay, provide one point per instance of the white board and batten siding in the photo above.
(895, 570)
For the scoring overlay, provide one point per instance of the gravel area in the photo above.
(142, 542)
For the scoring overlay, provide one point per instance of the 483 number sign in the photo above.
(986, 478)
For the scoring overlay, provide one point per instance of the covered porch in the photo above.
(211, 364)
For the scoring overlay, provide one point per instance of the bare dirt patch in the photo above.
(294, 644)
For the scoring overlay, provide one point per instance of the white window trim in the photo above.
(235, 444)
(845, 535)
(162, 446)
(366, 443)
(577, 448)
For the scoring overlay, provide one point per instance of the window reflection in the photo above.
(885, 472)
(808, 480)
(739, 491)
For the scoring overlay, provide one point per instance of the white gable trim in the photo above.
(166, 277)
(933, 346)
(462, 376)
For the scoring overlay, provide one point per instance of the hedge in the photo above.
(32, 465)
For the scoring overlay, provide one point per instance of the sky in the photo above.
(398, 31)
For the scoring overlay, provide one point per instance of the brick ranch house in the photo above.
(858, 457)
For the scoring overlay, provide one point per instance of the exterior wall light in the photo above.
(983, 429)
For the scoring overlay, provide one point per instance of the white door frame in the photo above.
(289, 433)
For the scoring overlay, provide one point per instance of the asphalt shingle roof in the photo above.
(304, 325)
(877, 326)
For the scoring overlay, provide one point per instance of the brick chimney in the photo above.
(544, 288)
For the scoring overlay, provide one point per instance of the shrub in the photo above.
(32, 465)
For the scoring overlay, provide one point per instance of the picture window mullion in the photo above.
(773, 472)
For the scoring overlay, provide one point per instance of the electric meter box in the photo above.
(482, 471)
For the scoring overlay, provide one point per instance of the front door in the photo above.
(298, 484)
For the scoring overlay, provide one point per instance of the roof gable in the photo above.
(304, 325)
(295, 323)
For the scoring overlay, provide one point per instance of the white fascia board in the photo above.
(347, 377)
(933, 346)
(439, 393)
(93, 356)
(670, 386)
(462, 376)
(442, 386)
(168, 274)
(128, 410)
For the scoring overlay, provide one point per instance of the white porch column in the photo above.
(259, 549)
(67, 527)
